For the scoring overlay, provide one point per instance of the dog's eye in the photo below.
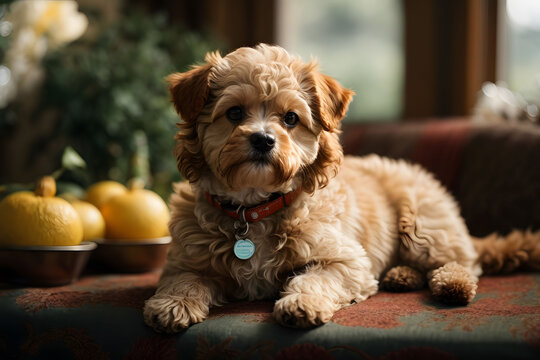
(235, 114)
(290, 119)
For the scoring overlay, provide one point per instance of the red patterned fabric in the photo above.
(100, 317)
(442, 140)
(436, 145)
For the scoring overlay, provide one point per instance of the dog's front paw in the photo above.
(171, 314)
(303, 311)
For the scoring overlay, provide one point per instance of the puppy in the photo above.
(274, 210)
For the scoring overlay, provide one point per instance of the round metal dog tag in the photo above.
(244, 249)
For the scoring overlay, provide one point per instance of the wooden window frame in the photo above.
(450, 50)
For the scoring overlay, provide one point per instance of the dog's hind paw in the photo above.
(303, 311)
(171, 314)
(453, 284)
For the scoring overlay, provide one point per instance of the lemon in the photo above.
(136, 214)
(39, 219)
(92, 220)
(100, 192)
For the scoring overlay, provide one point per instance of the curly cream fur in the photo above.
(356, 219)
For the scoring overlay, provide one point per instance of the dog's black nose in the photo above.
(262, 142)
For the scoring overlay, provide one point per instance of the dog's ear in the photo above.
(189, 91)
(326, 165)
(331, 100)
(329, 104)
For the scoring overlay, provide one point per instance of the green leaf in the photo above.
(71, 160)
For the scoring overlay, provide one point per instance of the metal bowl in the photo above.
(44, 265)
(131, 256)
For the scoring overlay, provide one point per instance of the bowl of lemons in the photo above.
(136, 236)
(42, 239)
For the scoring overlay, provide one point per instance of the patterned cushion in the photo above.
(100, 317)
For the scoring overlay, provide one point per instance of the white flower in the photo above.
(59, 21)
(37, 27)
(25, 13)
(68, 24)
(26, 43)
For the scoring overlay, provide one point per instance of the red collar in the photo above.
(277, 202)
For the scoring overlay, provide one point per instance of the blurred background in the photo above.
(89, 74)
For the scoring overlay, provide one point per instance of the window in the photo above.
(522, 70)
(358, 42)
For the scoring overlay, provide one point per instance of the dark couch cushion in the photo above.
(492, 170)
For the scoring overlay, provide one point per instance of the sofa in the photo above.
(492, 170)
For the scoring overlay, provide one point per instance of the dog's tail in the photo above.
(503, 254)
